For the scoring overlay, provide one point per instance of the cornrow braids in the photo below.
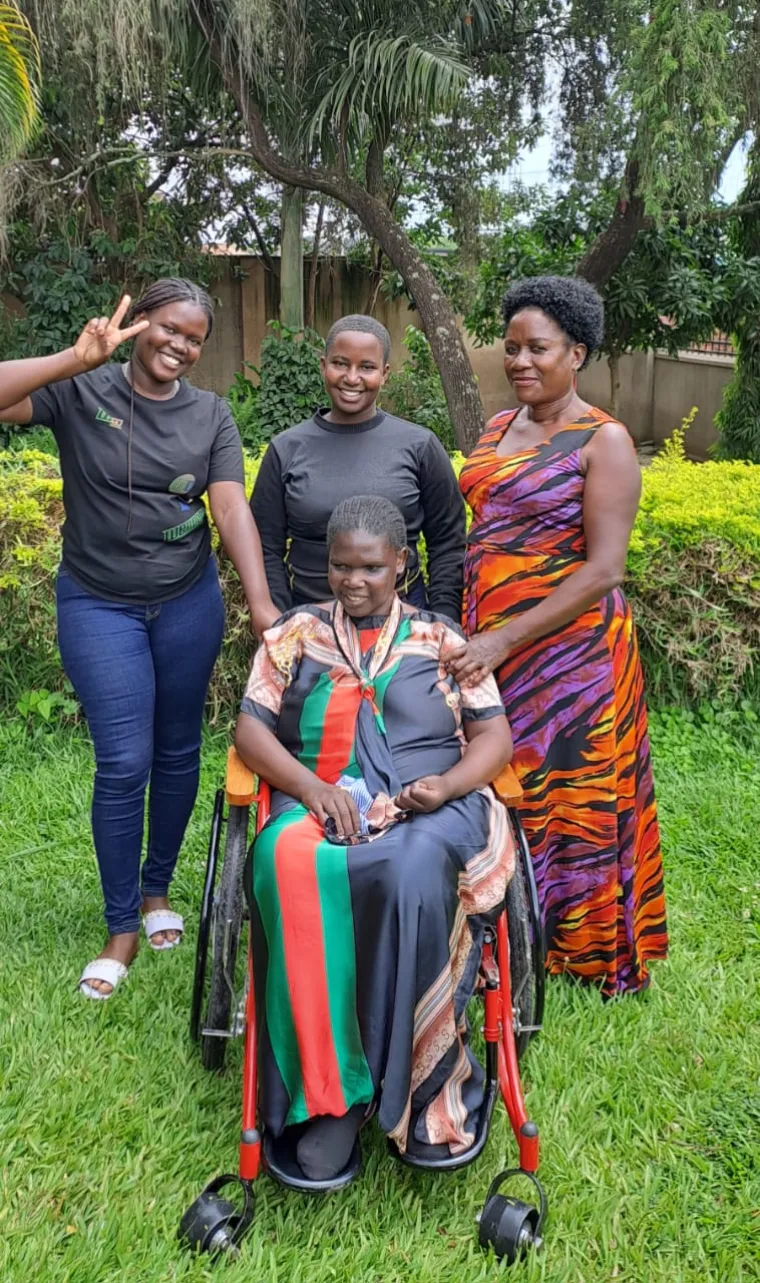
(173, 289)
(371, 513)
(362, 325)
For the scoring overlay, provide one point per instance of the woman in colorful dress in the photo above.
(385, 849)
(554, 487)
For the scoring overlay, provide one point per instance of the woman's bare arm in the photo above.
(610, 501)
(237, 529)
(97, 342)
(263, 753)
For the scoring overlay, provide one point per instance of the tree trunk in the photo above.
(311, 297)
(436, 313)
(291, 258)
(613, 361)
(375, 281)
(612, 246)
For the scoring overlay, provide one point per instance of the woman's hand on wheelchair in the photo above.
(325, 801)
(425, 795)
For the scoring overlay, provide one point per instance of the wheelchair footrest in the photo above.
(279, 1157)
(453, 1162)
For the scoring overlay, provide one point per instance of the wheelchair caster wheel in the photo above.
(213, 1224)
(508, 1225)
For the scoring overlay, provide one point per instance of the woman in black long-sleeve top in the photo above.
(353, 448)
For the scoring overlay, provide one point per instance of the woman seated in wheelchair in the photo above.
(372, 883)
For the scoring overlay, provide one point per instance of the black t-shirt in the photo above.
(306, 472)
(155, 545)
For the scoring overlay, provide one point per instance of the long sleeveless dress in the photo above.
(575, 702)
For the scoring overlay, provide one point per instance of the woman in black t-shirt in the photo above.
(140, 614)
(352, 446)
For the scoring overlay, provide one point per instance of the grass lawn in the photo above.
(649, 1108)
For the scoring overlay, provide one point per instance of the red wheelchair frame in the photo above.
(507, 1224)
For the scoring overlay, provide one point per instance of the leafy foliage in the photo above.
(685, 97)
(739, 419)
(46, 707)
(678, 285)
(19, 81)
(693, 578)
(415, 391)
(289, 389)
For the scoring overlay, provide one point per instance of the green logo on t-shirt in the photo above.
(179, 532)
(103, 416)
(183, 484)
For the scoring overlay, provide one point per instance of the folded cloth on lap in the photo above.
(377, 813)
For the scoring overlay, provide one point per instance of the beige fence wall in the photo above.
(247, 295)
(656, 391)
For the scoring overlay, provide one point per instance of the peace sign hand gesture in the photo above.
(101, 337)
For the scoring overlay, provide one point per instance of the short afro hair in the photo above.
(571, 302)
(373, 514)
(362, 325)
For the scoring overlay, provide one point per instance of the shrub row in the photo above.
(693, 577)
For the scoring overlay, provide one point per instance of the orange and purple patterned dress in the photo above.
(575, 702)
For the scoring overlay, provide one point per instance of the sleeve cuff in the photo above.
(482, 714)
(262, 714)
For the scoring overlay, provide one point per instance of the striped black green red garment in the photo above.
(365, 956)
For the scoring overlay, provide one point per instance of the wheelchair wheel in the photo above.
(226, 985)
(526, 945)
(204, 926)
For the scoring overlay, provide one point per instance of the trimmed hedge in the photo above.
(693, 578)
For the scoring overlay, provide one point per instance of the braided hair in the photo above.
(371, 513)
(362, 325)
(173, 289)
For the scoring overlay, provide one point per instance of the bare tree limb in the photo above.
(161, 178)
(311, 295)
(267, 257)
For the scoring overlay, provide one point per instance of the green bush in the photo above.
(289, 389)
(415, 392)
(31, 513)
(693, 578)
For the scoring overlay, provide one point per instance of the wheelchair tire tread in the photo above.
(229, 904)
(521, 955)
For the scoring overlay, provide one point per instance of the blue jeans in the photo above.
(141, 674)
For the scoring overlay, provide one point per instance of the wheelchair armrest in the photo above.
(240, 781)
(507, 787)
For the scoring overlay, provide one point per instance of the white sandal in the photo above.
(163, 920)
(109, 970)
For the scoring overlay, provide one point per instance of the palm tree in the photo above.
(19, 81)
(325, 89)
(322, 104)
(342, 80)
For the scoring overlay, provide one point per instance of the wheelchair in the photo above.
(511, 987)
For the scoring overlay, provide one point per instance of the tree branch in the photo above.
(720, 213)
(374, 167)
(267, 257)
(160, 178)
(311, 296)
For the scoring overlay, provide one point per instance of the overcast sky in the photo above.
(533, 167)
